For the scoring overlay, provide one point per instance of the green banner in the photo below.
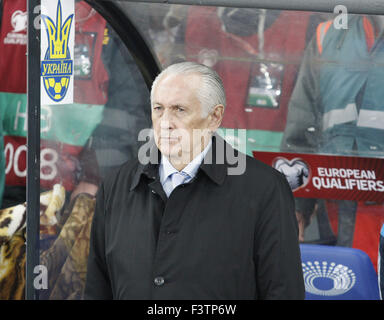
(69, 123)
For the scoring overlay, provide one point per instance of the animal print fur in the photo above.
(12, 240)
(12, 268)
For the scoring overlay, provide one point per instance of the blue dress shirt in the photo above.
(166, 170)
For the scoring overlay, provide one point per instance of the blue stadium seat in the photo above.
(338, 273)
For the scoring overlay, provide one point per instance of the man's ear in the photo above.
(215, 117)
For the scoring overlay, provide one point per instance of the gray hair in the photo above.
(212, 91)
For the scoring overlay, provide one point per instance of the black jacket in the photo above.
(218, 237)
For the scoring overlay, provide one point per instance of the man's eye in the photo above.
(157, 108)
(179, 109)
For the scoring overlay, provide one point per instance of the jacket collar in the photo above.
(214, 164)
(148, 167)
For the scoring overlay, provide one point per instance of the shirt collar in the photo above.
(215, 171)
(166, 168)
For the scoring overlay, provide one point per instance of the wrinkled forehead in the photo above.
(177, 89)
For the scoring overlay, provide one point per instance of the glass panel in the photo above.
(80, 143)
(298, 83)
(13, 125)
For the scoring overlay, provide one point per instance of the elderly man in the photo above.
(186, 226)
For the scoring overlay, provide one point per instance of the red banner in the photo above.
(59, 163)
(329, 177)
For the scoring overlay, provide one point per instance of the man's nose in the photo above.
(166, 121)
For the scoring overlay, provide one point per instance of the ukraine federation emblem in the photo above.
(57, 66)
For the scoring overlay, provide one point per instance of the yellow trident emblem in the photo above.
(56, 67)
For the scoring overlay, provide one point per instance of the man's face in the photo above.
(180, 130)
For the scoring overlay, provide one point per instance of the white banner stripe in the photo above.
(371, 119)
(339, 116)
